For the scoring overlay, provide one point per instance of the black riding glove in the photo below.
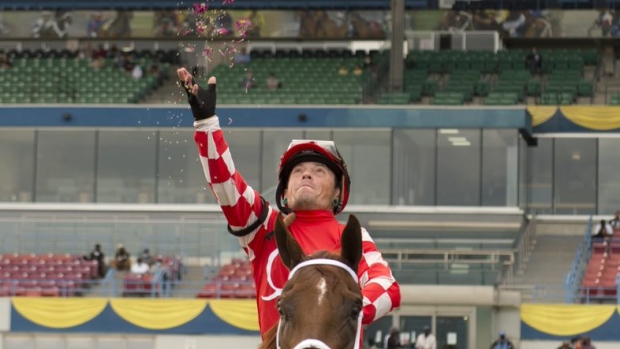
(203, 105)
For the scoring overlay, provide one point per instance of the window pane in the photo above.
(458, 168)
(608, 176)
(368, 155)
(413, 170)
(575, 176)
(275, 143)
(126, 168)
(180, 175)
(245, 149)
(17, 169)
(66, 166)
(540, 181)
(499, 167)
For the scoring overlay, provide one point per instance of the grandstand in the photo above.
(478, 179)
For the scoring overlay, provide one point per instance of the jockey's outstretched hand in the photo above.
(201, 100)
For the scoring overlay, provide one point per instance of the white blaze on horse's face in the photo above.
(322, 286)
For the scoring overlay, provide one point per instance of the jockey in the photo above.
(313, 185)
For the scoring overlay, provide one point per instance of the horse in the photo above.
(321, 303)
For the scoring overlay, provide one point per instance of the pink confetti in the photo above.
(189, 49)
(200, 8)
(208, 52)
(222, 31)
(226, 2)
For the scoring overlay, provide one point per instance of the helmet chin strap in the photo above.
(316, 343)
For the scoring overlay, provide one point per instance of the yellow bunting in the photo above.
(59, 312)
(541, 115)
(158, 314)
(239, 313)
(600, 118)
(565, 319)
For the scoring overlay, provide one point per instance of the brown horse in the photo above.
(321, 304)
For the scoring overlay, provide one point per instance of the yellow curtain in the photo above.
(541, 115)
(565, 320)
(158, 314)
(600, 118)
(59, 312)
(239, 313)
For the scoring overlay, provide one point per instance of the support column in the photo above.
(396, 51)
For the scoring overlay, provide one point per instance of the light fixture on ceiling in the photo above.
(576, 156)
(457, 139)
(461, 144)
(446, 131)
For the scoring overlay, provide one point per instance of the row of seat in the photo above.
(233, 280)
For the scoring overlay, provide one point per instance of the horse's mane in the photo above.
(269, 341)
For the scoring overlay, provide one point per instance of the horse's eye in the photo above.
(355, 311)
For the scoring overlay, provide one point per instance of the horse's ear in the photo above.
(351, 243)
(289, 249)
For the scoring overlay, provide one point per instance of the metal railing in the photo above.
(523, 246)
(572, 282)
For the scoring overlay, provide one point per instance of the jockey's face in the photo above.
(311, 186)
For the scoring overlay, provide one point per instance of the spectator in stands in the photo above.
(534, 61)
(565, 345)
(97, 255)
(369, 64)
(426, 340)
(357, 70)
(248, 81)
(166, 28)
(5, 62)
(392, 340)
(122, 259)
(615, 222)
(140, 267)
(242, 57)
(577, 343)
(137, 72)
(146, 256)
(272, 82)
(343, 70)
(99, 56)
(586, 343)
(602, 230)
(502, 342)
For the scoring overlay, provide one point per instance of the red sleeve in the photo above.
(241, 204)
(380, 290)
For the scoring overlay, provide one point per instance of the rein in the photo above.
(316, 343)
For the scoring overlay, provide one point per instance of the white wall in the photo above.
(5, 314)
(199, 342)
(555, 344)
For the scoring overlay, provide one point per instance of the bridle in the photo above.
(316, 343)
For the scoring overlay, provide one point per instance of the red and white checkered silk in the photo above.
(314, 230)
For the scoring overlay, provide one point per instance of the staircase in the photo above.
(550, 261)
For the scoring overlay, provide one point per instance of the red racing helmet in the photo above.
(324, 152)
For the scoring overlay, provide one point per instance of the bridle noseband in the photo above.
(316, 343)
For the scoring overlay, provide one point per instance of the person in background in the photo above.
(586, 343)
(534, 61)
(5, 62)
(97, 255)
(140, 267)
(426, 340)
(343, 70)
(502, 342)
(122, 260)
(615, 222)
(602, 230)
(272, 82)
(392, 340)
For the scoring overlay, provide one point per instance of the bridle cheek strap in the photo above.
(315, 343)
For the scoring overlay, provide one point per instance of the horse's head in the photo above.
(320, 306)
